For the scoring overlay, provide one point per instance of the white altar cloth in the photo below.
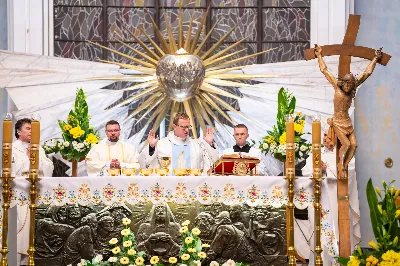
(230, 190)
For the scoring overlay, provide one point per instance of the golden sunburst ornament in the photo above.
(180, 76)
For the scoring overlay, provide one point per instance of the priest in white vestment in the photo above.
(20, 169)
(111, 153)
(184, 151)
(241, 134)
(329, 173)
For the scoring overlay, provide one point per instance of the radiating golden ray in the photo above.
(125, 55)
(205, 97)
(132, 78)
(214, 116)
(197, 35)
(141, 85)
(212, 89)
(157, 31)
(172, 45)
(198, 116)
(203, 42)
(145, 70)
(190, 114)
(157, 48)
(219, 42)
(180, 31)
(230, 47)
(149, 102)
(162, 108)
(188, 35)
(139, 95)
(142, 44)
(207, 65)
(222, 82)
(149, 58)
(161, 115)
(151, 107)
(234, 61)
(174, 109)
(241, 76)
(224, 70)
(227, 106)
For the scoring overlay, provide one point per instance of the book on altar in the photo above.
(236, 164)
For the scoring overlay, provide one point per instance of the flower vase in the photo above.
(74, 165)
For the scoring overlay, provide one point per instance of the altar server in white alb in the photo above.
(184, 151)
(20, 168)
(111, 152)
(241, 134)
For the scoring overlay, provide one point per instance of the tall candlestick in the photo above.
(6, 178)
(317, 177)
(33, 178)
(290, 177)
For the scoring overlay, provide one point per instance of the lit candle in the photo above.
(7, 142)
(35, 140)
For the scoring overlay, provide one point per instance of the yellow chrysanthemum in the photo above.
(282, 139)
(124, 260)
(188, 240)
(353, 261)
(131, 252)
(186, 223)
(113, 241)
(299, 114)
(390, 258)
(154, 260)
(127, 244)
(67, 127)
(183, 230)
(371, 260)
(397, 215)
(191, 250)
(139, 261)
(301, 122)
(116, 250)
(125, 232)
(270, 139)
(298, 128)
(202, 255)
(173, 260)
(185, 257)
(91, 138)
(196, 231)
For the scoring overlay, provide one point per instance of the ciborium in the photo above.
(146, 171)
(162, 171)
(165, 162)
(113, 171)
(128, 171)
(195, 171)
(180, 75)
(181, 171)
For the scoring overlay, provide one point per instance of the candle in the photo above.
(7, 142)
(290, 156)
(35, 140)
(316, 147)
(316, 132)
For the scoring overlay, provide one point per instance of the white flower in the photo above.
(230, 263)
(303, 148)
(66, 144)
(265, 146)
(197, 263)
(81, 145)
(214, 263)
(113, 259)
(74, 143)
(98, 258)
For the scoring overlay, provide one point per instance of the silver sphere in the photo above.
(180, 75)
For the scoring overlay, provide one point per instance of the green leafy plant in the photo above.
(275, 141)
(385, 225)
(77, 135)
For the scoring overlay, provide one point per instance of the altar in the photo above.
(254, 206)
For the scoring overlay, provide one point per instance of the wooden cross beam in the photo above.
(346, 50)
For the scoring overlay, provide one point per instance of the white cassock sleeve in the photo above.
(94, 164)
(146, 160)
(45, 164)
(308, 168)
(210, 154)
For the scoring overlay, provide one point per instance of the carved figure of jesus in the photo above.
(340, 124)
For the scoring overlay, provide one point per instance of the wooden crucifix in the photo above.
(341, 125)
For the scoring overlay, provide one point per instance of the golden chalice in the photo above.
(165, 162)
(128, 171)
(195, 171)
(113, 171)
(181, 171)
(146, 171)
(162, 171)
